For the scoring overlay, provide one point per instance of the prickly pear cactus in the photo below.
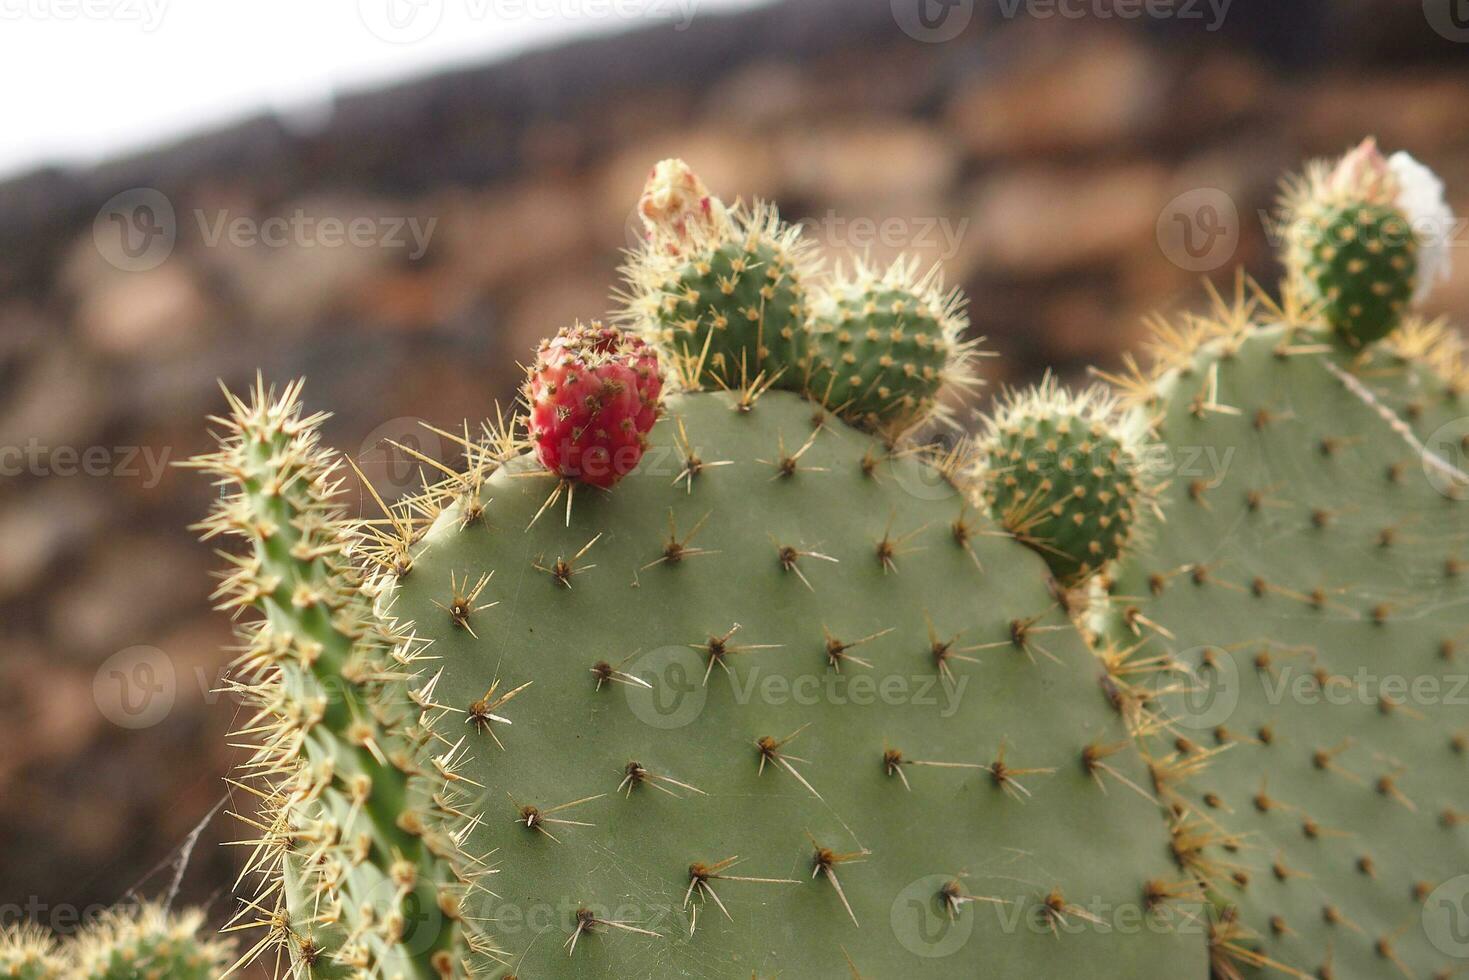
(777, 697)
(129, 942)
(778, 703)
(29, 953)
(1306, 603)
(138, 942)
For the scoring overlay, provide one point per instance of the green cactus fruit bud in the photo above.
(144, 942)
(29, 953)
(1364, 240)
(1065, 474)
(884, 344)
(722, 291)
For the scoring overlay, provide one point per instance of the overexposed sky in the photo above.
(87, 79)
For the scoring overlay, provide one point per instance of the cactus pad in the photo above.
(1308, 588)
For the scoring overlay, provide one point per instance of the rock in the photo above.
(1042, 222)
(1058, 96)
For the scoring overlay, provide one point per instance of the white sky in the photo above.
(81, 80)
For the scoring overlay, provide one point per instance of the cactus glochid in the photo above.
(790, 694)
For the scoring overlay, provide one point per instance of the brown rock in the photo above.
(1058, 96)
(1042, 222)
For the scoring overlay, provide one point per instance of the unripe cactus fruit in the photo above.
(29, 953)
(1364, 239)
(884, 344)
(145, 942)
(1065, 474)
(593, 395)
(722, 291)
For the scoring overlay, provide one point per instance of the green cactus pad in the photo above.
(146, 942)
(1359, 261)
(29, 953)
(1308, 589)
(359, 808)
(883, 345)
(731, 308)
(777, 643)
(1064, 474)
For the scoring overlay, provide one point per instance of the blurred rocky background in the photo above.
(1072, 174)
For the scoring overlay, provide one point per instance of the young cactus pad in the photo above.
(780, 703)
(1065, 474)
(723, 290)
(1309, 586)
(884, 344)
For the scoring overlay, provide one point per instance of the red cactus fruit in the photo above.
(593, 394)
